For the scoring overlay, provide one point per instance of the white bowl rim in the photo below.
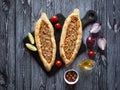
(71, 83)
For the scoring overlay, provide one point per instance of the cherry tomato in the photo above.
(58, 63)
(91, 54)
(54, 19)
(57, 26)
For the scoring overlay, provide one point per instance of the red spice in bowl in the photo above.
(71, 76)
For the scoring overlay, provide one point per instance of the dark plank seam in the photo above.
(15, 44)
(106, 48)
(30, 58)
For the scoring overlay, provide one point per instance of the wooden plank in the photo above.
(38, 75)
(3, 46)
(7, 54)
(23, 62)
(113, 42)
(117, 13)
(99, 79)
(11, 46)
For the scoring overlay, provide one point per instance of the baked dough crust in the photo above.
(47, 65)
(63, 36)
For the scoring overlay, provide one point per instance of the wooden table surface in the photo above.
(20, 71)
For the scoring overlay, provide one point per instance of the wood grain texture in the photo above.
(20, 71)
(100, 73)
(23, 62)
(113, 49)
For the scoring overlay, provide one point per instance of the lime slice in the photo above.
(87, 64)
(31, 38)
(31, 47)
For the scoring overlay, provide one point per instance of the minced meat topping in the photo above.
(71, 37)
(45, 39)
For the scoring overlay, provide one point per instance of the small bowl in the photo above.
(87, 64)
(73, 80)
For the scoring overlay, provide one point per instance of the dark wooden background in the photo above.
(20, 71)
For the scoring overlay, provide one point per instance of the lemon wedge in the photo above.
(31, 38)
(31, 47)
